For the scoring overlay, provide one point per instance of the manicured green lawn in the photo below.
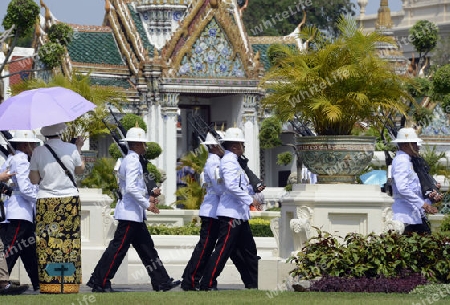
(224, 297)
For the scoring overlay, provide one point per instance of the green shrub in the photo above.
(154, 171)
(190, 229)
(60, 33)
(260, 228)
(130, 120)
(425, 291)
(445, 224)
(51, 54)
(102, 177)
(386, 255)
(153, 150)
(440, 80)
(285, 158)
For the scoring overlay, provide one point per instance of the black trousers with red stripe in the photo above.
(19, 239)
(243, 259)
(234, 235)
(193, 272)
(130, 233)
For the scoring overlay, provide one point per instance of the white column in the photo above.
(251, 132)
(168, 142)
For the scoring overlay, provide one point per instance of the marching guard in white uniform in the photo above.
(233, 212)
(131, 229)
(19, 235)
(210, 225)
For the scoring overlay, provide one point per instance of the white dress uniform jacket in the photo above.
(213, 188)
(22, 203)
(235, 201)
(406, 191)
(135, 199)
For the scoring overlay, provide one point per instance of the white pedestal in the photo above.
(336, 208)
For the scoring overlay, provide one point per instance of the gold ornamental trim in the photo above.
(349, 147)
(56, 288)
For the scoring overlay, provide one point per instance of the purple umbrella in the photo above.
(36, 108)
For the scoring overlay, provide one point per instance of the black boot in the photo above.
(13, 289)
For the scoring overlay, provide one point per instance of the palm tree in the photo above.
(334, 85)
(191, 196)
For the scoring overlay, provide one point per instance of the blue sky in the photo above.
(91, 12)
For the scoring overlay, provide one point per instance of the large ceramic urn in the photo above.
(336, 159)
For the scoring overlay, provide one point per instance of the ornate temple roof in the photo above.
(187, 41)
(96, 47)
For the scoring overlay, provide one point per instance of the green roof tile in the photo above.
(110, 81)
(96, 48)
(140, 28)
(262, 48)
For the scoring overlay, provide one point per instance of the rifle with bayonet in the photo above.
(6, 135)
(118, 136)
(5, 189)
(201, 128)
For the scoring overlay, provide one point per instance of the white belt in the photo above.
(16, 193)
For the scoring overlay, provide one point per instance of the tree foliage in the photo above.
(269, 134)
(279, 18)
(102, 177)
(328, 86)
(60, 33)
(50, 54)
(441, 79)
(20, 17)
(424, 36)
(130, 120)
(191, 196)
(153, 151)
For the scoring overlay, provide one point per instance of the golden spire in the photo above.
(38, 27)
(384, 20)
(107, 6)
(48, 15)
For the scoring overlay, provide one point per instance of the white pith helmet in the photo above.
(209, 140)
(407, 135)
(233, 135)
(24, 136)
(136, 134)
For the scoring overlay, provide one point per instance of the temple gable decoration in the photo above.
(210, 44)
(211, 55)
(161, 18)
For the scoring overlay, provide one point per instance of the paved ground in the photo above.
(135, 288)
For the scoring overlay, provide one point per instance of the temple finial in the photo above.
(384, 20)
